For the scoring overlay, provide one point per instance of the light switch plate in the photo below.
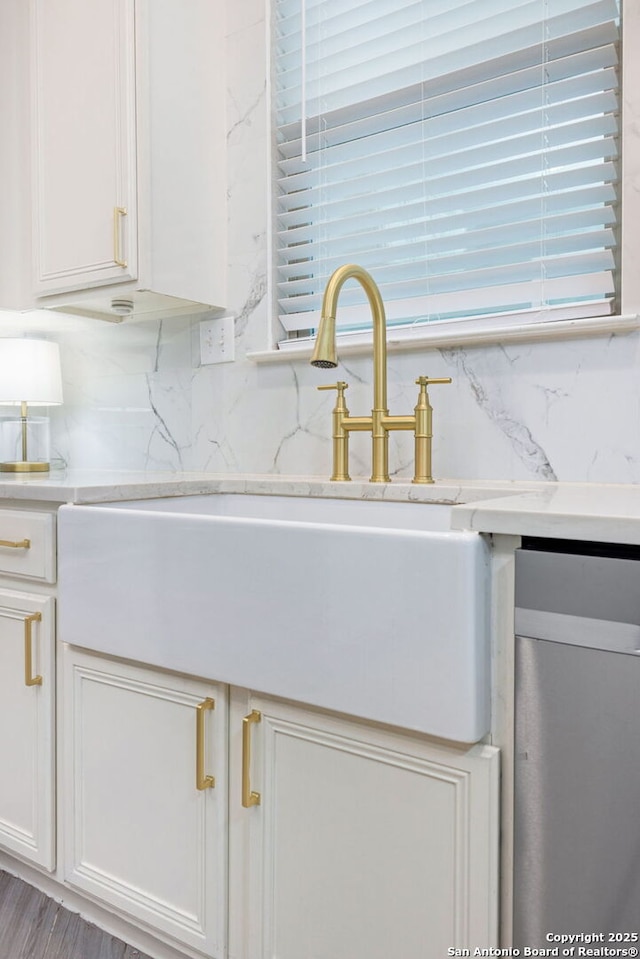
(217, 340)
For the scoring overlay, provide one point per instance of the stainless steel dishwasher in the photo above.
(577, 748)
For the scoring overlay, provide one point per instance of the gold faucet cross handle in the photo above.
(340, 386)
(424, 428)
(426, 381)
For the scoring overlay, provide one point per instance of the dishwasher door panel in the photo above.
(577, 790)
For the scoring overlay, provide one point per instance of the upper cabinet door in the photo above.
(84, 139)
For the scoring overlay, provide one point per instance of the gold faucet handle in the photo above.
(423, 399)
(426, 381)
(340, 386)
(423, 429)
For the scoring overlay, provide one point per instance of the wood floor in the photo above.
(32, 926)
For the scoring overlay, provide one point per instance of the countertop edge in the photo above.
(591, 513)
(580, 511)
(86, 487)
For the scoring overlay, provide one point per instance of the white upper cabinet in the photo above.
(118, 173)
(84, 144)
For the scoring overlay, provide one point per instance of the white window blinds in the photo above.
(462, 151)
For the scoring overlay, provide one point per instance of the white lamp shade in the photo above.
(30, 372)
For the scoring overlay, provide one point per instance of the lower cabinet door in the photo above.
(145, 793)
(355, 842)
(27, 721)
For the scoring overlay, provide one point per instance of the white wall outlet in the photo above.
(217, 340)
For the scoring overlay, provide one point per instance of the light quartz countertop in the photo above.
(583, 511)
(579, 511)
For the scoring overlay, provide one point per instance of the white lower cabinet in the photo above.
(27, 721)
(329, 839)
(139, 833)
(364, 844)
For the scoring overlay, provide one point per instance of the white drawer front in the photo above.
(27, 545)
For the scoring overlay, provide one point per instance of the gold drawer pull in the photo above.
(29, 678)
(202, 781)
(16, 544)
(118, 213)
(249, 798)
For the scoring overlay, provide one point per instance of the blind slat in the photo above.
(398, 29)
(480, 284)
(294, 260)
(448, 175)
(378, 222)
(441, 263)
(394, 200)
(460, 302)
(354, 79)
(413, 103)
(418, 138)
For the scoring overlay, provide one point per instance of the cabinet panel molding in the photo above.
(366, 843)
(27, 750)
(28, 545)
(139, 833)
(84, 139)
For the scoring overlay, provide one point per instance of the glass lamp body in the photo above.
(38, 444)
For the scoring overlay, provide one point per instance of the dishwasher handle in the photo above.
(602, 634)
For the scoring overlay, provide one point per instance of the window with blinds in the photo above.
(462, 151)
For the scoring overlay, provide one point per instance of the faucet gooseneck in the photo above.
(325, 350)
(325, 356)
(379, 423)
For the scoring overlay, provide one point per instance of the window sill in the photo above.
(411, 340)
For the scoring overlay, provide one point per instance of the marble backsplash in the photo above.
(137, 397)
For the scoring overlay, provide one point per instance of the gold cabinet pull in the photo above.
(202, 781)
(249, 798)
(16, 544)
(29, 678)
(118, 213)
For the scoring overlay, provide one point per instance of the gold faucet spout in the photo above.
(324, 354)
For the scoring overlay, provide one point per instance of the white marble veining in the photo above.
(136, 398)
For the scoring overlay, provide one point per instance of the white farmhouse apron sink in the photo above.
(374, 609)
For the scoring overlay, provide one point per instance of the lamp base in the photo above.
(23, 466)
(24, 443)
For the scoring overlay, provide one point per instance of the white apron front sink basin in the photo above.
(375, 609)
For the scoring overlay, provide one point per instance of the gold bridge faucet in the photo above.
(380, 423)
